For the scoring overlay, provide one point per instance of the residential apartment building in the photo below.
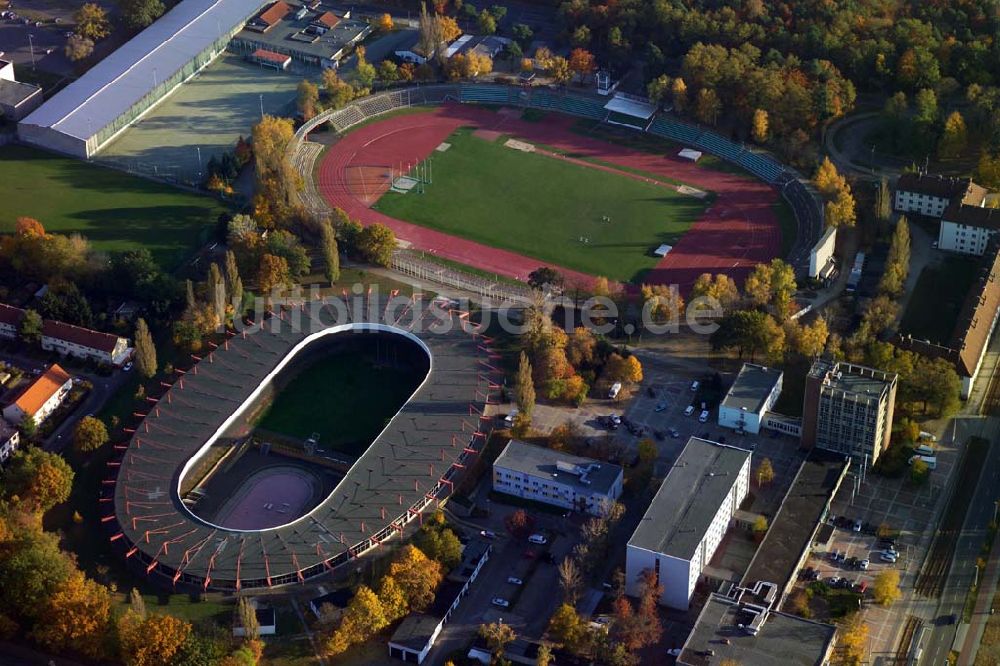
(10, 438)
(752, 395)
(687, 519)
(41, 397)
(69, 340)
(930, 195)
(556, 478)
(974, 326)
(848, 408)
(84, 343)
(968, 229)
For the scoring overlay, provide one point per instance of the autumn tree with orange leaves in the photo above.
(76, 616)
(152, 641)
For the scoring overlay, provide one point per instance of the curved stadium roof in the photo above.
(407, 468)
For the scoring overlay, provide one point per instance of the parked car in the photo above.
(501, 602)
(703, 417)
(487, 534)
(864, 564)
(689, 410)
(851, 562)
(127, 366)
(887, 556)
(514, 580)
(660, 406)
(856, 526)
(509, 419)
(694, 386)
(538, 539)
(674, 434)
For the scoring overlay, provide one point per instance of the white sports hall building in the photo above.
(91, 111)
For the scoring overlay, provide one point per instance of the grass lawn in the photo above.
(788, 224)
(344, 397)
(114, 210)
(541, 207)
(946, 286)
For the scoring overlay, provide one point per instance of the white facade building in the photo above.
(930, 196)
(10, 438)
(556, 478)
(754, 393)
(688, 517)
(968, 229)
(41, 397)
(84, 343)
(822, 263)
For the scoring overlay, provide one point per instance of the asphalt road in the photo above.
(967, 549)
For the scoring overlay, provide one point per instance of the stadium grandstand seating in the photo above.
(347, 117)
(582, 107)
(488, 94)
(543, 100)
(376, 104)
(670, 129)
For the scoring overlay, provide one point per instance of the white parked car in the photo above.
(501, 602)
(514, 580)
(886, 556)
(689, 410)
(487, 534)
(127, 366)
(538, 539)
(703, 417)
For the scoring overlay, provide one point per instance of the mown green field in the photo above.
(344, 397)
(114, 210)
(541, 207)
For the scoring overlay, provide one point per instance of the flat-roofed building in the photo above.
(17, 99)
(684, 524)
(312, 34)
(753, 394)
(744, 627)
(847, 408)
(41, 397)
(556, 478)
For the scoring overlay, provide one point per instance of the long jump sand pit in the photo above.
(273, 496)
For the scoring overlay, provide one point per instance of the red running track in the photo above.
(738, 231)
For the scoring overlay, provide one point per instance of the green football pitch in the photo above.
(114, 210)
(543, 207)
(344, 397)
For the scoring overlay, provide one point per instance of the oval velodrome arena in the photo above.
(502, 178)
(408, 468)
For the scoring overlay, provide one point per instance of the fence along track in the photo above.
(807, 209)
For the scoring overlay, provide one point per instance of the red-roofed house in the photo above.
(270, 59)
(270, 17)
(41, 397)
(10, 320)
(67, 339)
(83, 342)
(325, 21)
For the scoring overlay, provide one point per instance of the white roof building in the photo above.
(88, 113)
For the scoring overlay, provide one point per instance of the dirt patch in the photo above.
(487, 135)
